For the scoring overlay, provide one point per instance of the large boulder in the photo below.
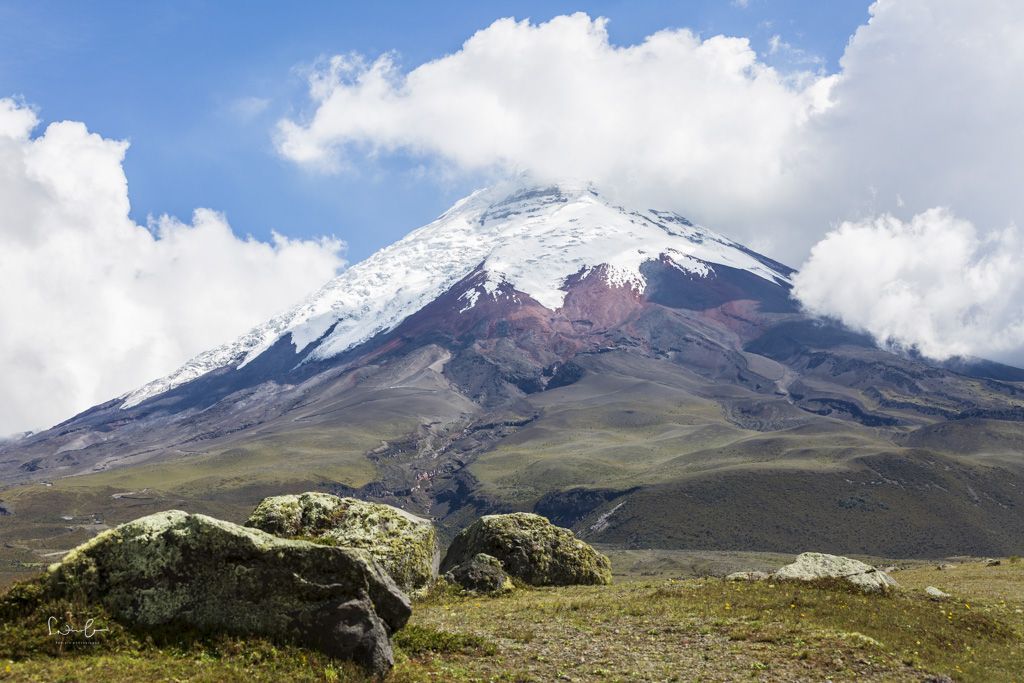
(816, 566)
(531, 549)
(174, 569)
(403, 544)
(481, 574)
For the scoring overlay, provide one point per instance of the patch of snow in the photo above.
(492, 285)
(688, 264)
(469, 296)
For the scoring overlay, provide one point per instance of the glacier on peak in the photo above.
(531, 238)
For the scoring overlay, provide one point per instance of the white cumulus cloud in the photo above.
(699, 120)
(92, 304)
(934, 282)
(928, 110)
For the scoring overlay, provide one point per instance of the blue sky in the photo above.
(197, 87)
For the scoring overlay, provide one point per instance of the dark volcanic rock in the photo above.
(531, 549)
(481, 574)
(178, 569)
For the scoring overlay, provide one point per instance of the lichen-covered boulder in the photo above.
(481, 574)
(174, 569)
(531, 549)
(815, 566)
(403, 544)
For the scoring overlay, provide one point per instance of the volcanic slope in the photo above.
(624, 371)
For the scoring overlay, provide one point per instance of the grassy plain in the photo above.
(640, 629)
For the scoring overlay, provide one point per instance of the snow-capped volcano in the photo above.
(527, 240)
(619, 370)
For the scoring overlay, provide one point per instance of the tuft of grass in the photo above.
(416, 640)
(441, 593)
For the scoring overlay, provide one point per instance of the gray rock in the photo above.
(748, 576)
(178, 569)
(481, 574)
(935, 594)
(403, 544)
(531, 549)
(814, 566)
(943, 566)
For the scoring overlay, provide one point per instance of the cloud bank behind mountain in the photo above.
(93, 304)
(924, 121)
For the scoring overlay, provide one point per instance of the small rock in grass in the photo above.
(481, 574)
(748, 576)
(936, 594)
